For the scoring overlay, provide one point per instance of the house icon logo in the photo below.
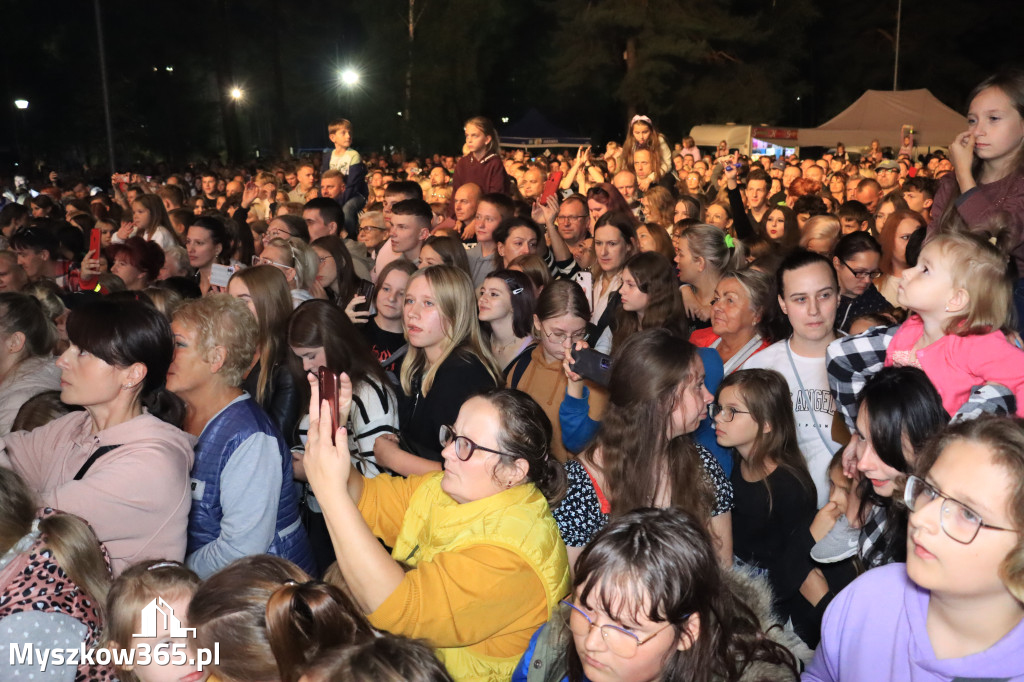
(159, 613)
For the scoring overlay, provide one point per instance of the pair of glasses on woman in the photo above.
(260, 260)
(464, 447)
(727, 413)
(620, 641)
(956, 519)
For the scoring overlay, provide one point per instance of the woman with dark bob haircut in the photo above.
(664, 610)
(122, 464)
(136, 261)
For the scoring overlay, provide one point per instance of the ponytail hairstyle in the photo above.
(451, 251)
(660, 563)
(75, 547)
(123, 333)
(218, 235)
(626, 224)
(1011, 82)
(456, 305)
(138, 585)
(981, 266)
(272, 300)
(713, 245)
(487, 128)
(655, 276)
(766, 395)
(383, 658)
(304, 619)
(526, 434)
(261, 607)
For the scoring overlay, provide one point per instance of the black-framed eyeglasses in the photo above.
(620, 641)
(727, 413)
(956, 519)
(464, 447)
(862, 274)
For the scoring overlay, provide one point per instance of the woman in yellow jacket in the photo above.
(478, 564)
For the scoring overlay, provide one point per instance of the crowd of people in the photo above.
(647, 414)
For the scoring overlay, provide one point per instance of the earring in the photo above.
(127, 386)
(509, 484)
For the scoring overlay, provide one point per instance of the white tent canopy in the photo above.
(880, 115)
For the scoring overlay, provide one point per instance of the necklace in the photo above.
(498, 350)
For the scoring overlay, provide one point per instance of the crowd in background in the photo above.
(656, 412)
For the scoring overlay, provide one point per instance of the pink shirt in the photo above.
(137, 498)
(955, 364)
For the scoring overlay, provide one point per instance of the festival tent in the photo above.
(533, 130)
(883, 115)
(746, 138)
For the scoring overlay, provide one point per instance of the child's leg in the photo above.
(351, 210)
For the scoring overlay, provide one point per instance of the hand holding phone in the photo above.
(329, 393)
(95, 241)
(593, 365)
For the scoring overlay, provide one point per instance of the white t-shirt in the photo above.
(816, 399)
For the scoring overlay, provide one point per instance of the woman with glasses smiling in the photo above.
(649, 603)
(477, 564)
(297, 260)
(856, 259)
(955, 609)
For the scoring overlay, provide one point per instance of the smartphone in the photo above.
(95, 242)
(593, 365)
(551, 186)
(220, 275)
(122, 178)
(364, 289)
(329, 391)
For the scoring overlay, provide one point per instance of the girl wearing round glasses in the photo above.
(560, 320)
(477, 564)
(650, 603)
(954, 610)
(856, 260)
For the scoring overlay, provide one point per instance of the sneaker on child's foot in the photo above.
(840, 543)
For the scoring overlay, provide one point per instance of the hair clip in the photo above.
(729, 241)
(639, 117)
(517, 291)
(992, 240)
(164, 564)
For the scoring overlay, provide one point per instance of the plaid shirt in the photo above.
(851, 360)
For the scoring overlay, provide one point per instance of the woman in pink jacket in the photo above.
(122, 464)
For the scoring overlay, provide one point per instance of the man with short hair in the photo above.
(306, 176)
(209, 184)
(757, 197)
(815, 172)
(464, 206)
(324, 218)
(491, 210)
(410, 227)
(869, 193)
(625, 182)
(919, 192)
(332, 184)
(887, 174)
(532, 184)
(397, 191)
(38, 252)
(853, 217)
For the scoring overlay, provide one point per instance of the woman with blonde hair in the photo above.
(447, 362)
(297, 260)
(244, 501)
(703, 254)
(54, 577)
(820, 234)
(273, 381)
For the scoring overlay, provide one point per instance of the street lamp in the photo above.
(21, 104)
(237, 93)
(349, 77)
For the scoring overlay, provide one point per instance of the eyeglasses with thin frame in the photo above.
(620, 641)
(956, 519)
(862, 274)
(370, 228)
(728, 413)
(260, 260)
(276, 234)
(464, 447)
(560, 336)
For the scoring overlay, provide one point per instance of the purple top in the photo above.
(875, 630)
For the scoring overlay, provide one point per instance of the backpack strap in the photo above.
(518, 367)
(100, 451)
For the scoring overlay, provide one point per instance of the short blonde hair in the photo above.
(222, 320)
(978, 267)
(301, 256)
(820, 227)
